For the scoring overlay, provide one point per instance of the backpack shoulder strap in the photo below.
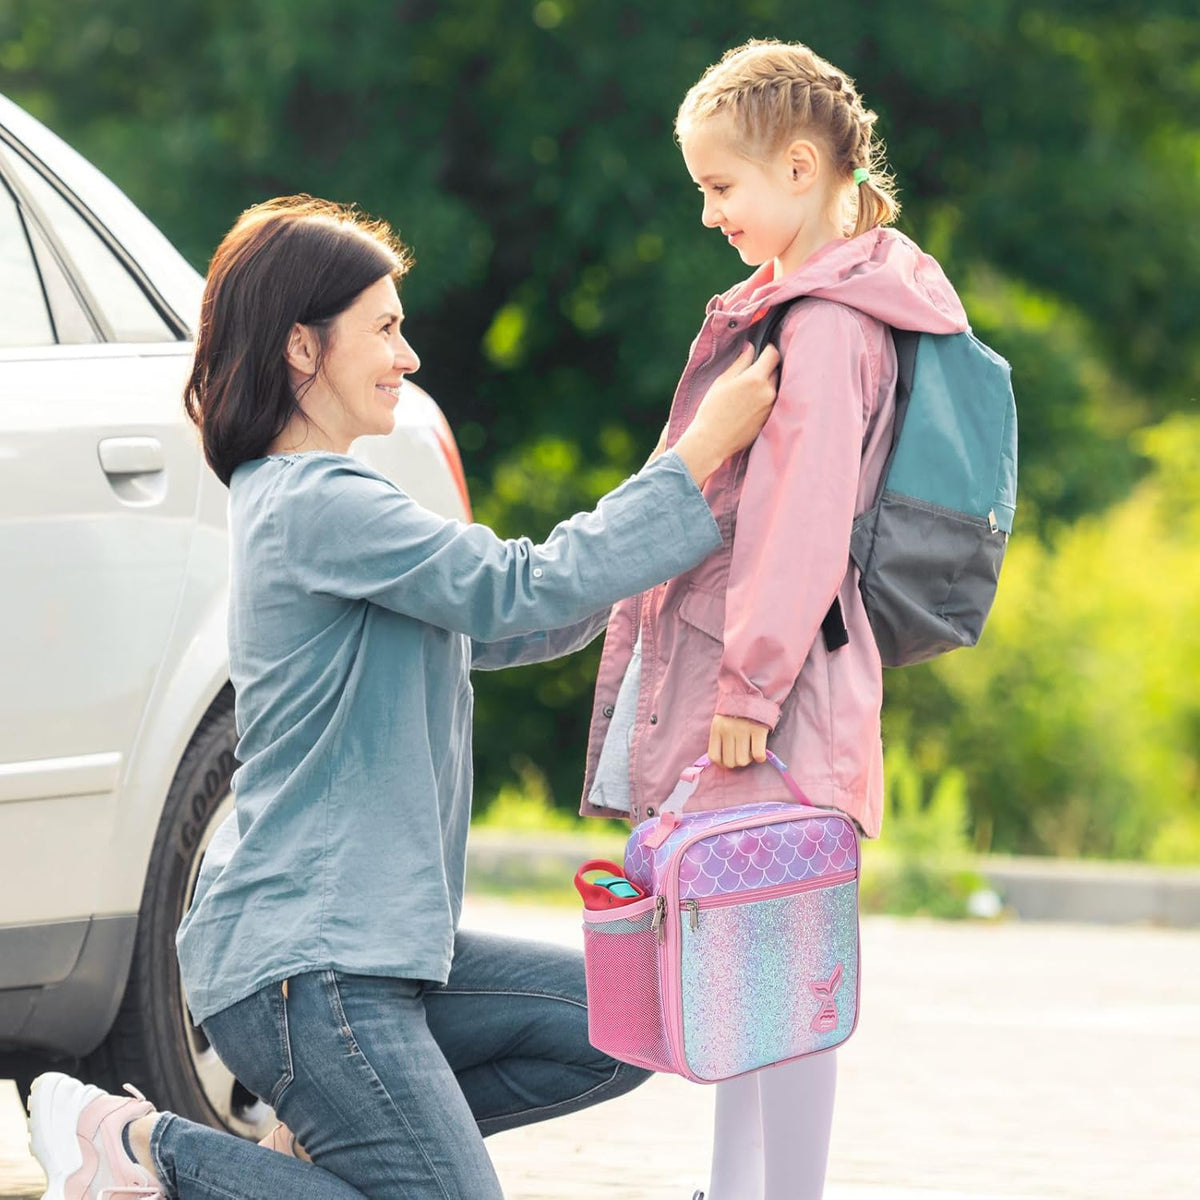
(906, 342)
(764, 332)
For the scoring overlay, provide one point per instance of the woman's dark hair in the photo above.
(291, 260)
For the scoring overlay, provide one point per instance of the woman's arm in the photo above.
(350, 533)
(543, 646)
(660, 447)
(548, 644)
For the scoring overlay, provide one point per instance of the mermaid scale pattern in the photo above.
(742, 859)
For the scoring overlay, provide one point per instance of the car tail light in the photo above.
(449, 449)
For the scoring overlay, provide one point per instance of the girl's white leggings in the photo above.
(772, 1132)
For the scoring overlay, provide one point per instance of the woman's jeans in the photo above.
(390, 1085)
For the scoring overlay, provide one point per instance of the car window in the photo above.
(71, 322)
(122, 302)
(24, 317)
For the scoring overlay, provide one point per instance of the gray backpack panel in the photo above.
(928, 576)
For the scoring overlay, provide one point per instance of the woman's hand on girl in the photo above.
(736, 741)
(732, 412)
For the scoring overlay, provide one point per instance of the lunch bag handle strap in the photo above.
(671, 809)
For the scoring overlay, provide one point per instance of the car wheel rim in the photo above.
(236, 1106)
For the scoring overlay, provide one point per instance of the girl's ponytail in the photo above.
(876, 206)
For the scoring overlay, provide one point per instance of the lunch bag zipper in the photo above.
(774, 892)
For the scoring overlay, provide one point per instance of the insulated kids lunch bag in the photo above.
(731, 942)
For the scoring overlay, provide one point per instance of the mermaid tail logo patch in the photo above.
(825, 991)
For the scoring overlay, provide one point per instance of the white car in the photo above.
(116, 714)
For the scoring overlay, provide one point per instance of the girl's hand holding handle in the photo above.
(732, 412)
(735, 741)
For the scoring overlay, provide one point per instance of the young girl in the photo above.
(732, 653)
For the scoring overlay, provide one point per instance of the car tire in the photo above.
(152, 1043)
(23, 1067)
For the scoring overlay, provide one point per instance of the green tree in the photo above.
(1077, 720)
(1047, 153)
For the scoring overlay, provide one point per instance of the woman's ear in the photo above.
(301, 351)
(804, 164)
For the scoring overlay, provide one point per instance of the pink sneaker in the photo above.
(76, 1136)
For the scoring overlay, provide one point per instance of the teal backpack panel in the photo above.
(958, 442)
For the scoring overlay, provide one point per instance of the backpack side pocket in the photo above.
(928, 576)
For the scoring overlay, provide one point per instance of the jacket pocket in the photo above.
(704, 611)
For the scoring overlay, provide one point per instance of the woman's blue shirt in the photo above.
(355, 617)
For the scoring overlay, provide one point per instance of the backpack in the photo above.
(929, 549)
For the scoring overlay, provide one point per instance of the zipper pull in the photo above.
(991, 520)
(693, 907)
(660, 913)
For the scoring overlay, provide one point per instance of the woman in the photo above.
(322, 953)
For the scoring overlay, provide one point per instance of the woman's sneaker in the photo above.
(76, 1136)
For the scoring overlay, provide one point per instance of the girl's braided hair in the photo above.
(776, 91)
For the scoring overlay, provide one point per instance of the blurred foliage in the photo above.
(920, 866)
(924, 889)
(526, 806)
(1049, 154)
(923, 824)
(1077, 718)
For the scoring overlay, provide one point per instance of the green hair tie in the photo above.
(861, 175)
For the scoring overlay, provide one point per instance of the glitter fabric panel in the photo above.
(794, 848)
(761, 983)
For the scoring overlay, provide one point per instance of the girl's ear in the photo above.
(300, 352)
(804, 164)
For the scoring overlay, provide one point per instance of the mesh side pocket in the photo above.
(625, 1017)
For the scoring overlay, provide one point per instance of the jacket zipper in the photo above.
(635, 807)
(686, 407)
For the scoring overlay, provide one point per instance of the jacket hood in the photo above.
(881, 273)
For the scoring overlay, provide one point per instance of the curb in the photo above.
(1096, 892)
(1033, 889)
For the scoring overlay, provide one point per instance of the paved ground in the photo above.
(992, 1062)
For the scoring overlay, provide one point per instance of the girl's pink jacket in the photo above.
(740, 633)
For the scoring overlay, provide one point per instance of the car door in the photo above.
(99, 477)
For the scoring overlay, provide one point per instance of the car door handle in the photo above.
(132, 456)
